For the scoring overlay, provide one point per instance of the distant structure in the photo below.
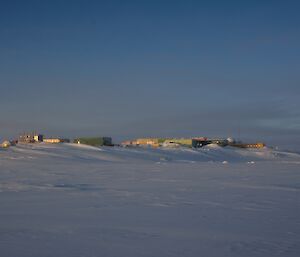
(157, 142)
(171, 142)
(38, 138)
(196, 142)
(154, 142)
(129, 143)
(33, 137)
(174, 142)
(203, 141)
(56, 140)
(199, 142)
(5, 144)
(247, 145)
(94, 141)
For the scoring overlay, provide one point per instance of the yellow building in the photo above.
(55, 140)
(148, 142)
(6, 144)
(28, 138)
(38, 138)
(254, 145)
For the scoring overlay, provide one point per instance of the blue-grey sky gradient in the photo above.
(151, 68)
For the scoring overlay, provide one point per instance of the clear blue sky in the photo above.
(151, 68)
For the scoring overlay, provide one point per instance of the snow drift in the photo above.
(75, 200)
(210, 153)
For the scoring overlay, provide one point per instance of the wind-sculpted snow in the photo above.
(84, 153)
(75, 200)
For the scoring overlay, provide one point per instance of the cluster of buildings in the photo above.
(196, 142)
(33, 137)
(29, 138)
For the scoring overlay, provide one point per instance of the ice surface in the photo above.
(73, 200)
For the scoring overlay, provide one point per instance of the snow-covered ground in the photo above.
(74, 200)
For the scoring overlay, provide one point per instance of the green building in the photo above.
(94, 141)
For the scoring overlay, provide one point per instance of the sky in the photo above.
(131, 69)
